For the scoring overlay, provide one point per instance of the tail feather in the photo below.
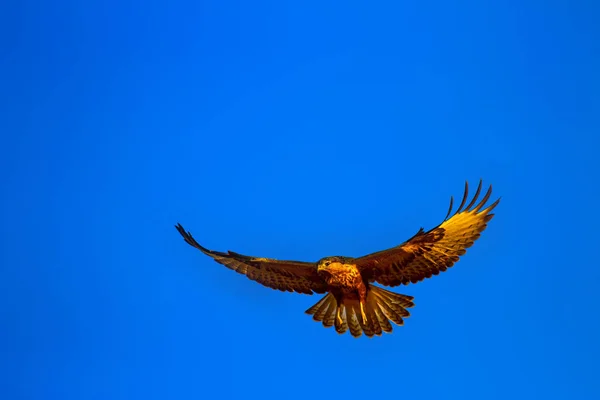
(396, 299)
(394, 305)
(382, 306)
(371, 312)
(318, 304)
(322, 310)
(329, 318)
(392, 315)
(393, 311)
(353, 323)
(384, 322)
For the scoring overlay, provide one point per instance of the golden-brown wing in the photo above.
(428, 253)
(290, 276)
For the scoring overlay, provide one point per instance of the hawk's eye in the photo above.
(327, 263)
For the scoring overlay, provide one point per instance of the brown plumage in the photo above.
(352, 301)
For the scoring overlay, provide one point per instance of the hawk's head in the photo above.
(324, 263)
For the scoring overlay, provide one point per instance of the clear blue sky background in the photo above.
(294, 130)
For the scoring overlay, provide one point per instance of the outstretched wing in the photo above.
(428, 253)
(290, 276)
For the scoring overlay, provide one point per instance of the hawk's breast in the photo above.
(343, 276)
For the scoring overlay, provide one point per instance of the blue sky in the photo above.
(294, 130)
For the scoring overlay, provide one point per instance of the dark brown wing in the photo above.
(428, 253)
(290, 276)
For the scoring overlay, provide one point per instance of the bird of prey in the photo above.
(353, 301)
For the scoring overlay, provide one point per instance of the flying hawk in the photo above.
(353, 301)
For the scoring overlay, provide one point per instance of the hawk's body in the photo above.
(352, 301)
(343, 277)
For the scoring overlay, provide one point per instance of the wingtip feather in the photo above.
(473, 203)
(484, 200)
(449, 208)
(464, 199)
(477, 192)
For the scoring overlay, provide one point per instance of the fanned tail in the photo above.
(382, 306)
